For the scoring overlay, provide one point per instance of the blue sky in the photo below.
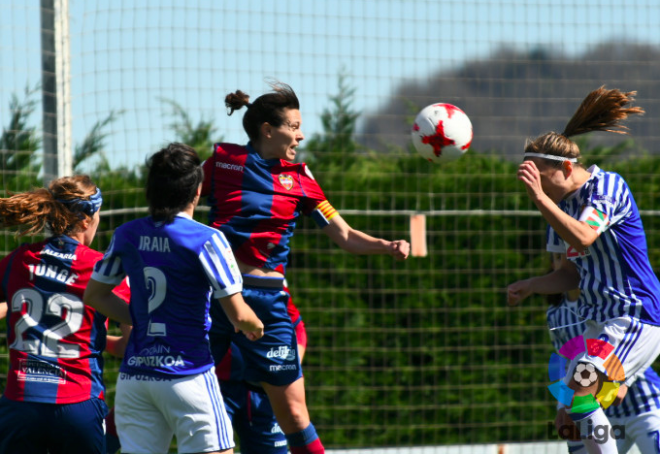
(128, 55)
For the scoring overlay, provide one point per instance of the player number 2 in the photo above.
(65, 306)
(156, 283)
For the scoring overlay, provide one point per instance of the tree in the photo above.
(19, 142)
(199, 136)
(338, 127)
(94, 143)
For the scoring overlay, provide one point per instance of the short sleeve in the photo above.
(609, 202)
(554, 243)
(109, 270)
(220, 266)
(604, 203)
(312, 192)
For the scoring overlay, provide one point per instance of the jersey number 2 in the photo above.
(156, 283)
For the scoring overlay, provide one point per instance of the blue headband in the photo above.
(88, 207)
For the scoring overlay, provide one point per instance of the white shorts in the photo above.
(149, 411)
(642, 430)
(633, 344)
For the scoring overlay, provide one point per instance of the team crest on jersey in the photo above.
(286, 181)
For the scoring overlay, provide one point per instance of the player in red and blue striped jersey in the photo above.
(247, 404)
(605, 253)
(167, 385)
(257, 195)
(54, 396)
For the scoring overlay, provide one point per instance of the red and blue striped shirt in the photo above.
(256, 202)
(55, 341)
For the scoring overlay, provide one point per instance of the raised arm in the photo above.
(575, 232)
(359, 243)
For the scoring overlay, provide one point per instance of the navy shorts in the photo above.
(36, 428)
(253, 419)
(273, 358)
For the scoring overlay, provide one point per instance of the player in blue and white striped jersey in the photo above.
(604, 253)
(638, 413)
(176, 266)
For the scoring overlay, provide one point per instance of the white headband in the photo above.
(550, 156)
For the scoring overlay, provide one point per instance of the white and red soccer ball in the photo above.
(441, 133)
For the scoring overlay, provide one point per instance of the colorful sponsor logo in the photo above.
(600, 351)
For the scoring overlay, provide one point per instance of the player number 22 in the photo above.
(65, 306)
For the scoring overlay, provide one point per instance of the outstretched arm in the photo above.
(357, 242)
(563, 279)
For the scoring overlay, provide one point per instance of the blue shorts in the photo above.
(36, 428)
(253, 419)
(273, 358)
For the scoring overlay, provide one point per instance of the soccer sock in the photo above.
(595, 431)
(306, 441)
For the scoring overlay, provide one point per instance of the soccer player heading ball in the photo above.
(594, 215)
(256, 195)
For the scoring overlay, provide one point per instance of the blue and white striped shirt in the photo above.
(616, 277)
(643, 395)
(174, 270)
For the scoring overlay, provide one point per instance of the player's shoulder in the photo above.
(190, 224)
(87, 253)
(607, 180)
(231, 149)
(196, 231)
(22, 249)
(131, 227)
(300, 168)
